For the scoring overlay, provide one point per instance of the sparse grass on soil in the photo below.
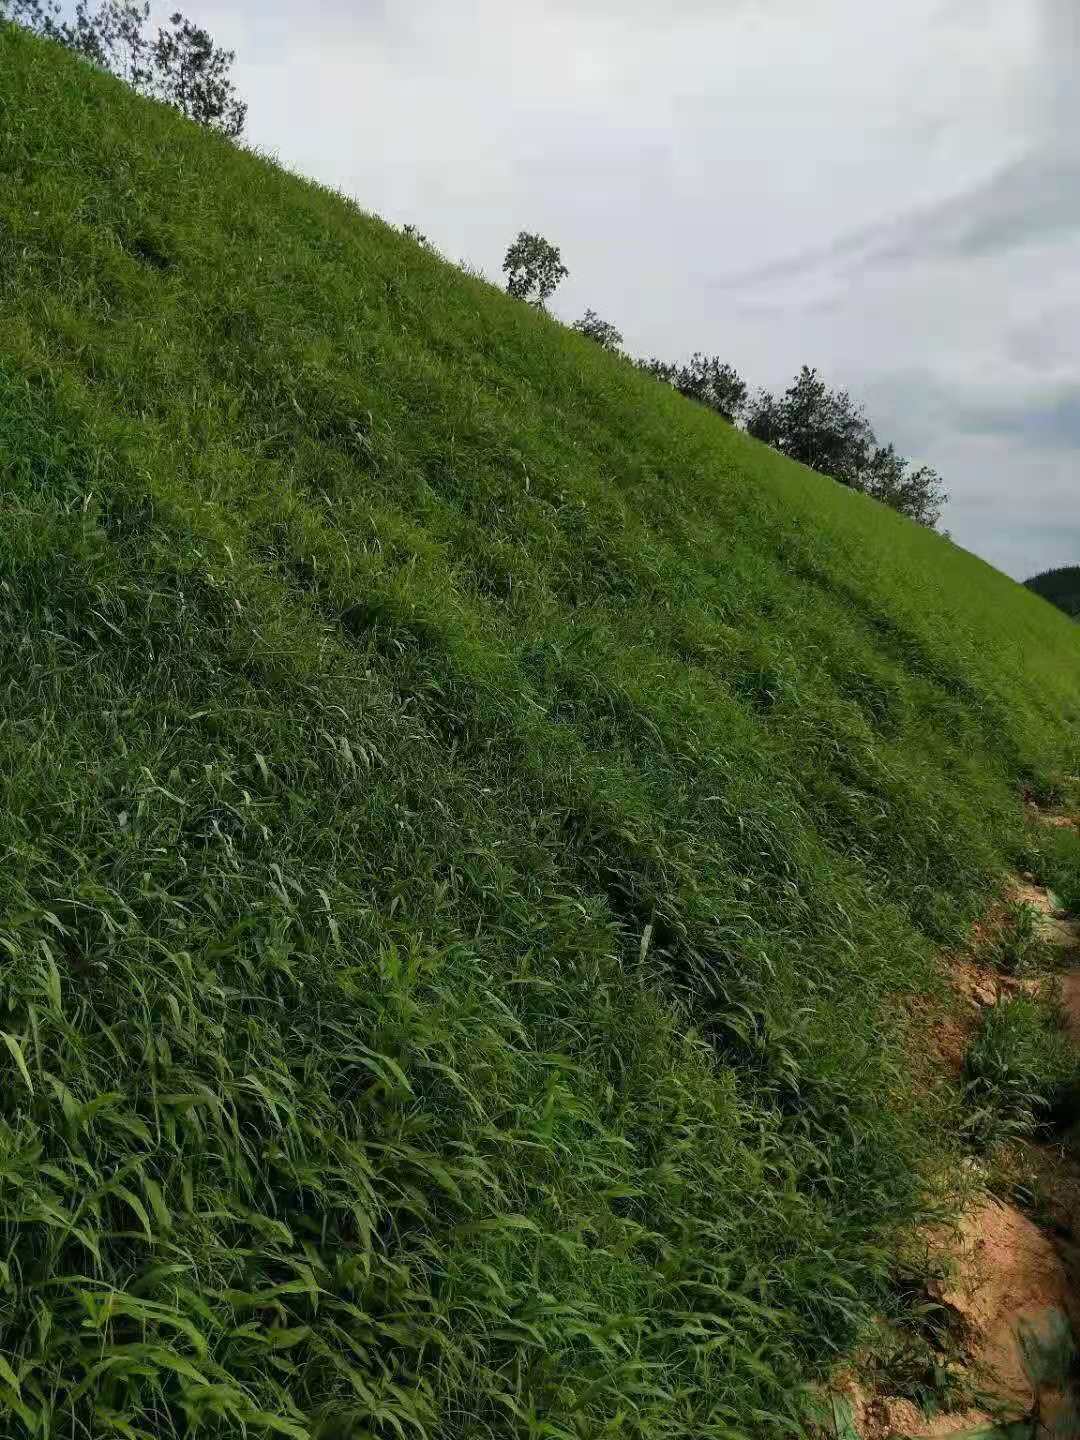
(1019, 947)
(471, 824)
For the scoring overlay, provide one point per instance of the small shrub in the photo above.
(601, 331)
(1020, 1070)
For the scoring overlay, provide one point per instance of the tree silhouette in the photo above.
(533, 267)
(602, 331)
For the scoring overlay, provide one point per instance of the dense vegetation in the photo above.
(1061, 587)
(824, 429)
(472, 823)
(1020, 1070)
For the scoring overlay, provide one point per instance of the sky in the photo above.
(888, 191)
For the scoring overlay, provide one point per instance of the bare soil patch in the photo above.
(1014, 1281)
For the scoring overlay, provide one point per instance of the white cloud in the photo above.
(912, 170)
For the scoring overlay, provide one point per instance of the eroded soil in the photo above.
(1014, 1286)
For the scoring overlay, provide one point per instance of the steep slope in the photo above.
(1061, 587)
(472, 826)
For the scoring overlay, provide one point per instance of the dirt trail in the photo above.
(1014, 1287)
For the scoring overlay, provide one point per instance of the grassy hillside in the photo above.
(1061, 587)
(472, 826)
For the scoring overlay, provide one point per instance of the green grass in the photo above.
(471, 824)
(1020, 946)
(1057, 863)
(1022, 1071)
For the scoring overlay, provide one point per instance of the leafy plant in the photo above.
(912, 1367)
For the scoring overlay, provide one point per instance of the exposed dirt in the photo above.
(1010, 1297)
(1014, 1286)
(1049, 1176)
(887, 1419)
(1009, 1282)
(884, 1417)
(975, 983)
(1056, 929)
(1054, 821)
(949, 1038)
(1069, 985)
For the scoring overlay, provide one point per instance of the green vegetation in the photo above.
(1022, 1070)
(1061, 587)
(471, 824)
(918, 1352)
(823, 429)
(1057, 863)
(533, 268)
(1020, 947)
(180, 65)
(924, 1369)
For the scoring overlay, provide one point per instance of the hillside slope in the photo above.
(1061, 587)
(472, 823)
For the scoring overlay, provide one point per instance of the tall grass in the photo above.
(1056, 860)
(1022, 1071)
(471, 823)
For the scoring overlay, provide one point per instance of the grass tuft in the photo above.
(1020, 947)
(1022, 1071)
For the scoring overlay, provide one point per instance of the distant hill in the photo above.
(475, 831)
(1061, 587)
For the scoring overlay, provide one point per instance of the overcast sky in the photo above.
(887, 189)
